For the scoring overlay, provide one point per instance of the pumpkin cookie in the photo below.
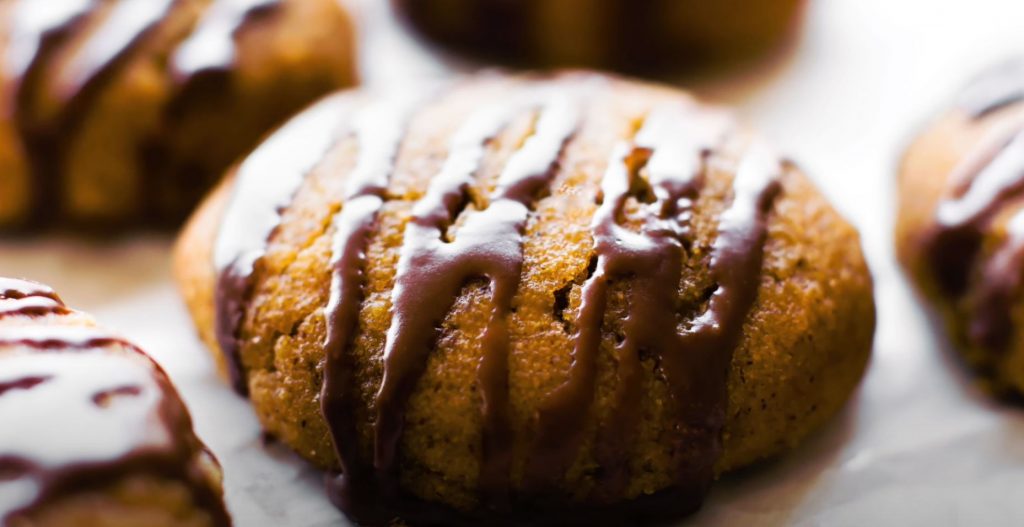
(556, 299)
(960, 229)
(120, 113)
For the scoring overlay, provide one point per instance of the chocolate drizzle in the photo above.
(264, 184)
(432, 271)
(120, 407)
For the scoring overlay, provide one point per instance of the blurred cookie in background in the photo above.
(635, 36)
(960, 226)
(119, 113)
(94, 434)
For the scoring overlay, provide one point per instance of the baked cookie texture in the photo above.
(118, 113)
(645, 36)
(94, 433)
(539, 299)
(960, 227)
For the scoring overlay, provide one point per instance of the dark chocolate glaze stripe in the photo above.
(379, 131)
(487, 245)
(264, 184)
(701, 372)
(495, 236)
(414, 312)
(121, 410)
(995, 89)
(211, 46)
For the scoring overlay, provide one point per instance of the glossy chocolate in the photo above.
(101, 411)
(378, 130)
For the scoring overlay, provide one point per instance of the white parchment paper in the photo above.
(917, 445)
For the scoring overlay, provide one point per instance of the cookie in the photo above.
(960, 225)
(123, 113)
(558, 299)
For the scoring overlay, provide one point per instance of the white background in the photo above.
(917, 445)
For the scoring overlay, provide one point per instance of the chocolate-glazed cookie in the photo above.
(125, 112)
(566, 299)
(960, 230)
(93, 433)
(648, 36)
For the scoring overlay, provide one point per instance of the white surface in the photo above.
(916, 446)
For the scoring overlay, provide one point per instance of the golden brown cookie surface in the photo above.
(124, 112)
(960, 231)
(94, 434)
(521, 294)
